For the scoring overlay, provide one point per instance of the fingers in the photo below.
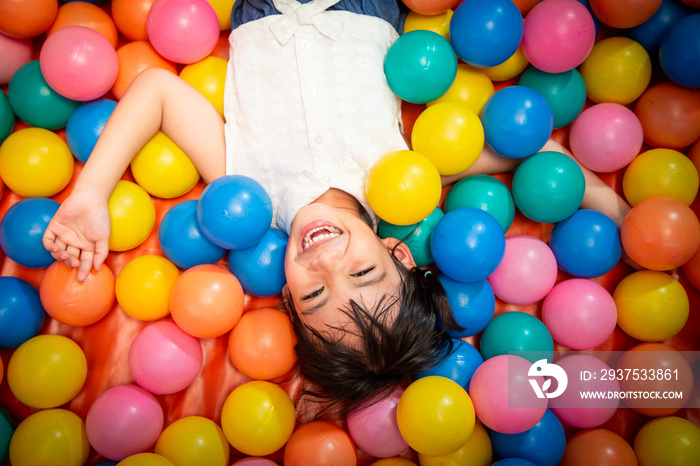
(85, 265)
(101, 252)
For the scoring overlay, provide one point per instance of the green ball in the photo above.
(416, 236)
(483, 192)
(565, 92)
(7, 117)
(6, 431)
(520, 332)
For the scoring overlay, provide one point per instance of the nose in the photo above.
(326, 261)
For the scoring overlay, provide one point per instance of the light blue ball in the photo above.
(260, 268)
(85, 126)
(473, 304)
(459, 365)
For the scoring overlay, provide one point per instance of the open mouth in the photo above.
(319, 235)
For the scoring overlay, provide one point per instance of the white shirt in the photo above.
(309, 113)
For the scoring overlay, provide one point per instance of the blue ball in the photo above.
(679, 51)
(416, 236)
(484, 192)
(181, 239)
(649, 33)
(21, 312)
(519, 332)
(486, 34)
(260, 268)
(459, 365)
(420, 66)
(22, 229)
(543, 443)
(85, 126)
(513, 462)
(468, 244)
(472, 303)
(587, 244)
(234, 211)
(565, 92)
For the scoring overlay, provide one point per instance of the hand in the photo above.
(78, 233)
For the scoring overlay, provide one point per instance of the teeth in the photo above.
(310, 239)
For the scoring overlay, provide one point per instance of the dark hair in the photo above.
(393, 350)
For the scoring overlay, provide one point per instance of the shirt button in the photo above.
(304, 45)
(318, 139)
(312, 91)
(326, 179)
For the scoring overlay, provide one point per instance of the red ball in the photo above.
(26, 18)
(320, 442)
(624, 14)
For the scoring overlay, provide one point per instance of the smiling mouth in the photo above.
(319, 235)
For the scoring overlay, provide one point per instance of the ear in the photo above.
(401, 251)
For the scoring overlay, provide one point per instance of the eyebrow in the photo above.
(362, 284)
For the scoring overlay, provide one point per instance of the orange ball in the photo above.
(26, 18)
(670, 115)
(430, 7)
(261, 345)
(88, 15)
(320, 442)
(660, 233)
(691, 270)
(133, 58)
(624, 14)
(130, 17)
(600, 447)
(76, 303)
(206, 301)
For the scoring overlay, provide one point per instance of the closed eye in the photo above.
(363, 272)
(312, 295)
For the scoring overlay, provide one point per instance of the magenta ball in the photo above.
(183, 31)
(123, 421)
(585, 374)
(503, 399)
(579, 313)
(15, 52)
(527, 272)
(79, 63)
(255, 461)
(374, 428)
(163, 359)
(606, 137)
(558, 35)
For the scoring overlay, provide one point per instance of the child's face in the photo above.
(333, 257)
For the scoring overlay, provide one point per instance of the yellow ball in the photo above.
(132, 214)
(35, 162)
(471, 86)
(660, 173)
(258, 418)
(403, 187)
(194, 440)
(617, 70)
(146, 459)
(439, 23)
(510, 68)
(208, 76)
(435, 416)
(223, 12)
(450, 135)
(668, 440)
(395, 461)
(163, 169)
(651, 305)
(143, 287)
(476, 452)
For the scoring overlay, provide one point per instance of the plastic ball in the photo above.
(163, 359)
(548, 187)
(660, 233)
(650, 32)
(223, 12)
(374, 427)
(206, 301)
(143, 286)
(130, 18)
(542, 444)
(450, 134)
(60, 433)
(416, 236)
(586, 244)
(439, 22)
(184, 31)
(21, 312)
(473, 304)
(617, 70)
(7, 117)
(509, 69)
(15, 52)
(145, 459)
(87, 14)
(565, 92)
(124, 420)
(435, 416)
(517, 331)
(194, 440)
(558, 35)
(261, 345)
(132, 215)
(651, 305)
(671, 439)
(182, 240)
(260, 268)
(517, 121)
(475, 452)
(503, 398)
(486, 34)
(394, 461)
(467, 244)
(22, 228)
(661, 173)
(471, 86)
(234, 211)
(403, 187)
(598, 446)
(76, 303)
(134, 57)
(163, 169)
(320, 442)
(208, 76)
(47, 371)
(85, 126)
(527, 272)
(420, 66)
(679, 52)
(27, 18)
(430, 7)
(459, 365)
(484, 192)
(626, 13)
(255, 461)
(7, 429)
(258, 418)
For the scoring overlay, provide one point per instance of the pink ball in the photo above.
(79, 63)
(123, 421)
(183, 31)
(527, 272)
(255, 461)
(571, 407)
(558, 35)
(374, 428)
(606, 137)
(579, 313)
(15, 52)
(503, 398)
(163, 359)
